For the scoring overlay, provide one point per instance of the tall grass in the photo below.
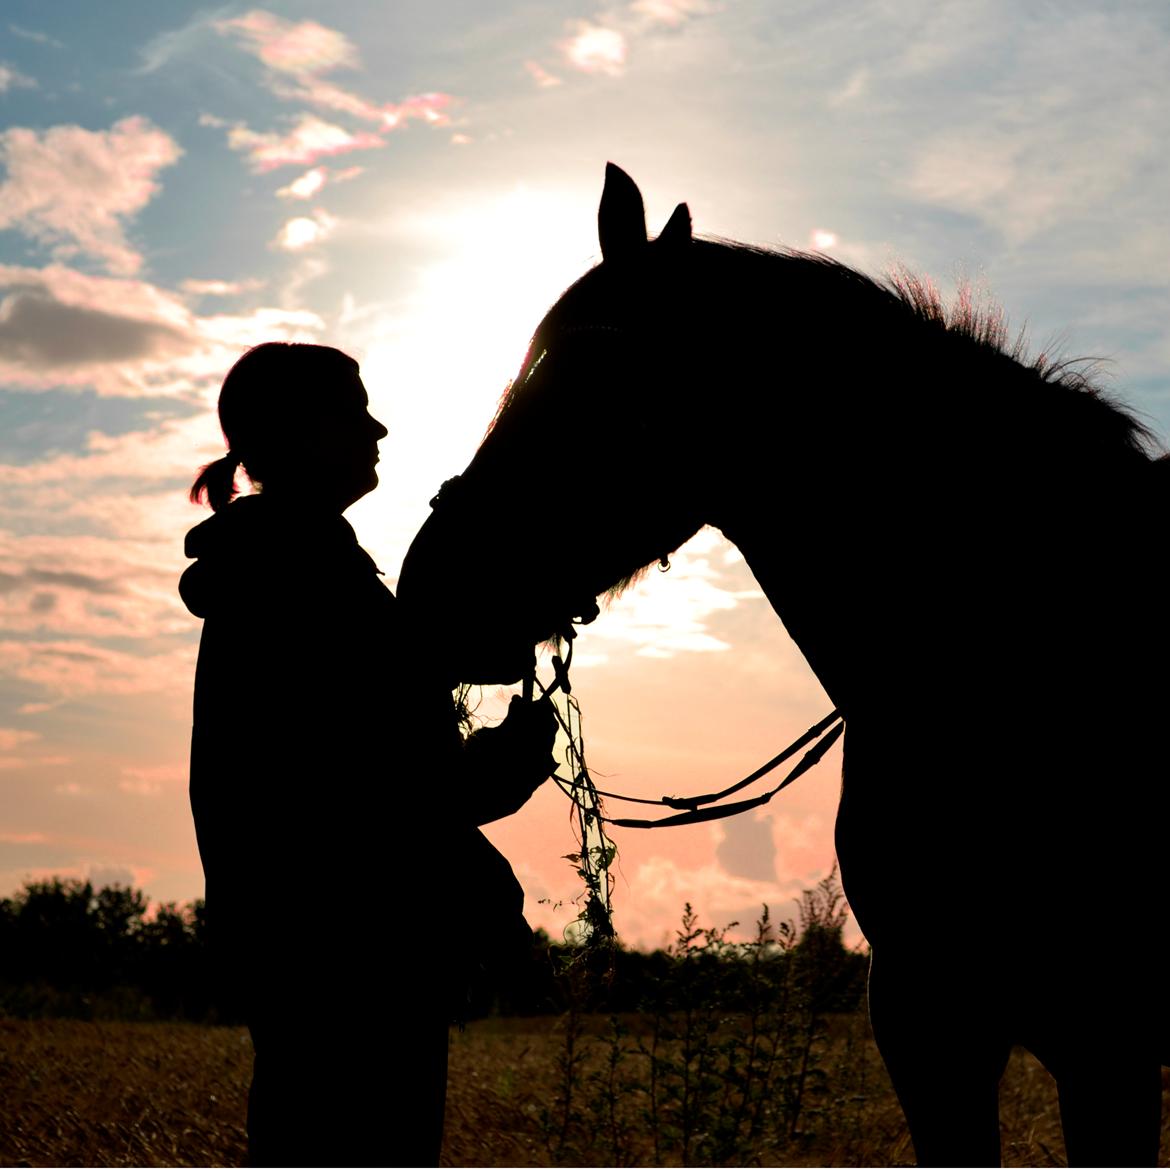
(731, 1058)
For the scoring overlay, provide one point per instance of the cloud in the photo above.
(11, 738)
(664, 886)
(305, 231)
(306, 185)
(671, 13)
(748, 849)
(71, 668)
(29, 34)
(63, 327)
(60, 327)
(220, 288)
(854, 88)
(297, 49)
(603, 48)
(297, 56)
(665, 616)
(32, 578)
(159, 773)
(11, 78)
(103, 876)
(540, 75)
(23, 839)
(308, 139)
(1042, 153)
(40, 332)
(594, 48)
(12, 763)
(73, 190)
(151, 781)
(311, 182)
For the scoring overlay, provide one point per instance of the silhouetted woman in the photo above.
(335, 803)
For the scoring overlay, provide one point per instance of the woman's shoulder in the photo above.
(257, 554)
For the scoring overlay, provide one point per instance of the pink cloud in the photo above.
(426, 107)
(309, 139)
(327, 96)
(73, 189)
(305, 48)
(297, 57)
(11, 738)
(594, 48)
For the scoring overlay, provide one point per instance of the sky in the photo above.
(415, 183)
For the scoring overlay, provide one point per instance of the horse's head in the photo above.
(576, 487)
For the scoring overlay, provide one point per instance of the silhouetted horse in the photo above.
(966, 549)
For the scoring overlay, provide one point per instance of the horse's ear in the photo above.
(621, 218)
(678, 227)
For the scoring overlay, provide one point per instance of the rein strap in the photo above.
(696, 815)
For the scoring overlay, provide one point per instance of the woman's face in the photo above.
(344, 440)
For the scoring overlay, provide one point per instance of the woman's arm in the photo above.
(503, 766)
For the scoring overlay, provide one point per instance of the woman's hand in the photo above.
(505, 765)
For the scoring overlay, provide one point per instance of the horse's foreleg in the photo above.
(1110, 1091)
(944, 1059)
(1112, 1115)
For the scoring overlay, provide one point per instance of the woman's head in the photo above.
(296, 418)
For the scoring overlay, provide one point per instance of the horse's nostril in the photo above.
(588, 614)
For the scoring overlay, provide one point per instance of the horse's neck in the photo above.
(984, 601)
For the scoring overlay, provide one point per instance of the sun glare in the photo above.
(435, 373)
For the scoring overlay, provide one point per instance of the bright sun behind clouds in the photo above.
(436, 367)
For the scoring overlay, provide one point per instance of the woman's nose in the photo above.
(379, 428)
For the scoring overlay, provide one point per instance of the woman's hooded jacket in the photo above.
(326, 760)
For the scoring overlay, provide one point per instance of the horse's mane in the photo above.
(968, 326)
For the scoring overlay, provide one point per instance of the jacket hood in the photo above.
(252, 541)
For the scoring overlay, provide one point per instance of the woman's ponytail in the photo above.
(216, 482)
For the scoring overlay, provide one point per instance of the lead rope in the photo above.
(597, 850)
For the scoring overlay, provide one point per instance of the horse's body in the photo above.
(964, 547)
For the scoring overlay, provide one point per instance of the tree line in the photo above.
(68, 949)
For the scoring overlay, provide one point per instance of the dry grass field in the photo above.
(119, 1094)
